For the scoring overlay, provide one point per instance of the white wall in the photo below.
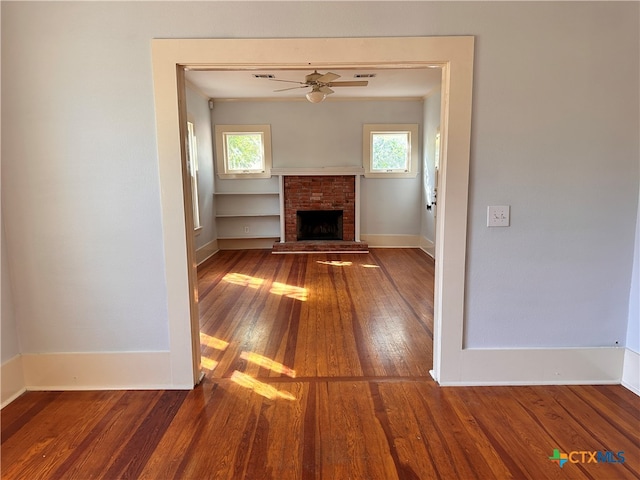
(10, 340)
(554, 135)
(551, 139)
(631, 367)
(80, 181)
(329, 134)
(198, 110)
(431, 122)
(633, 326)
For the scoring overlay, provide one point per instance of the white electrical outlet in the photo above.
(246, 229)
(498, 216)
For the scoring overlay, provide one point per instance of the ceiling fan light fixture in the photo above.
(316, 96)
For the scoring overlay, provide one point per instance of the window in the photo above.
(243, 151)
(390, 150)
(192, 162)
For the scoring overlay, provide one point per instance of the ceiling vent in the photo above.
(263, 75)
(364, 75)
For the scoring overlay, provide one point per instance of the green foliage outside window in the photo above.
(244, 151)
(390, 151)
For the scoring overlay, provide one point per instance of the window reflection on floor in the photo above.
(261, 388)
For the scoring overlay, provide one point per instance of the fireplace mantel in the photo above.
(317, 171)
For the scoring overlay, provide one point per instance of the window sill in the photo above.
(238, 176)
(390, 175)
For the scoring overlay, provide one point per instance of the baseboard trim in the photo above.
(544, 366)
(13, 384)
(207, 251)
(151, 370)
(631, 371)
(391, 241)
(99, 371)
(246, 243)
(428, 247)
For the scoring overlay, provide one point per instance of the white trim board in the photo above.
(13, 384)
(428, 247)
(631, 371)
(148, 370)
(246, 243)
(453, 54)
(390, 241)
(100, 371)
(540, 366)
(207, 251)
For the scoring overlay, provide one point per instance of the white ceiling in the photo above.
(388, 83)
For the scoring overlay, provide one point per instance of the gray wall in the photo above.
(10, 342)
(633, 328)
(431, 124)
(554, 135)
(198, 110)
(329, 134)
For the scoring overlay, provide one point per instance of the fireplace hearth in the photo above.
(331, 199)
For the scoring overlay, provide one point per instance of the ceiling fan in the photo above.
(320, 84)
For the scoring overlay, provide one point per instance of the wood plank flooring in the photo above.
(320, 315)
(317, 368)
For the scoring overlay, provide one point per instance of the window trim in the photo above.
(192, 163)
(221, 160)
(369, 129)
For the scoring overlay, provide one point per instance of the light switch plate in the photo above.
(498, 216)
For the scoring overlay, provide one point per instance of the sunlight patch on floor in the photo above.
(268, 363)
(213, 342)
(297, 293)
(243, 280)
(277, 288)
(367, 265)
(208, 363)
(336, 263)
(259, 387)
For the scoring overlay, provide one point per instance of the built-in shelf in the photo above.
(247, 193)
(247, 215)
(274, 237)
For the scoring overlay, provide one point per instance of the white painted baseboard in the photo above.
(13, 384)
(246, 243)
(99, 371)
(631, 371)
(206, 251)
(428, 247)
(391, 241)
(543, 366)
(152, 370)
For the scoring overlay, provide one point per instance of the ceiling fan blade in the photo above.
(327, 77)
(290, 88)
(361, 83)
(325, 89)
(288, 81)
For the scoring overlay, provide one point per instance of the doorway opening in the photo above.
(453, 54)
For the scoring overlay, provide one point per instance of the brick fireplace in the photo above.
(327, 193)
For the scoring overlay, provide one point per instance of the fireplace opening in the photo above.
(319, 224)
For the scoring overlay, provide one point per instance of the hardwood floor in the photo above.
(317, 368)
(358, 315)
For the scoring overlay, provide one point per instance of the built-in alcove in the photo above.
(319, 225)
